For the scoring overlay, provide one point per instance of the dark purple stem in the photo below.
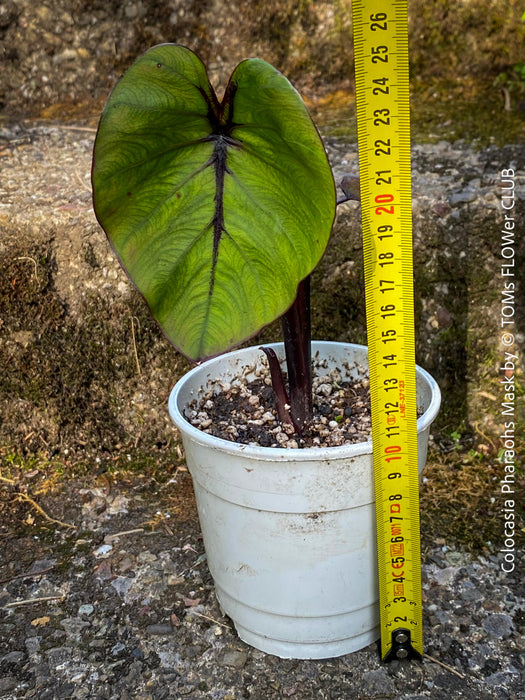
(296, 326)
(294, 407)
(282, 402)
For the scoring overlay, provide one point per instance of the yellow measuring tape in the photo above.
(383, 123)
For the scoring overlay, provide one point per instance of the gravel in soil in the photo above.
(244, 411)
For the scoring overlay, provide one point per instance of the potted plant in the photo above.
(219, 211)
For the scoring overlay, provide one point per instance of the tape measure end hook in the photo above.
(401, 648)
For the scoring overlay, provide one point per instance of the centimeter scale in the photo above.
(383, 123)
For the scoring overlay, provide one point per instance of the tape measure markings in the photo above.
(383, 117)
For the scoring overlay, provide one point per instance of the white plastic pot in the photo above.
(290, 533)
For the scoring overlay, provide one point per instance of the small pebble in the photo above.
(324, 389)
(499, 626)
(103, 550)
(86, 609)
(234, 658)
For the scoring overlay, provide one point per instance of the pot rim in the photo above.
(287, 454)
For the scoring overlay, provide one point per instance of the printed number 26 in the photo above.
(378, 21)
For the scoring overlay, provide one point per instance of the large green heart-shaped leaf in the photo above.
(216, 210)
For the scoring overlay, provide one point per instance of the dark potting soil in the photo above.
(244, 411)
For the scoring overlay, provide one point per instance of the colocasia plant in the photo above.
(218, 210)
